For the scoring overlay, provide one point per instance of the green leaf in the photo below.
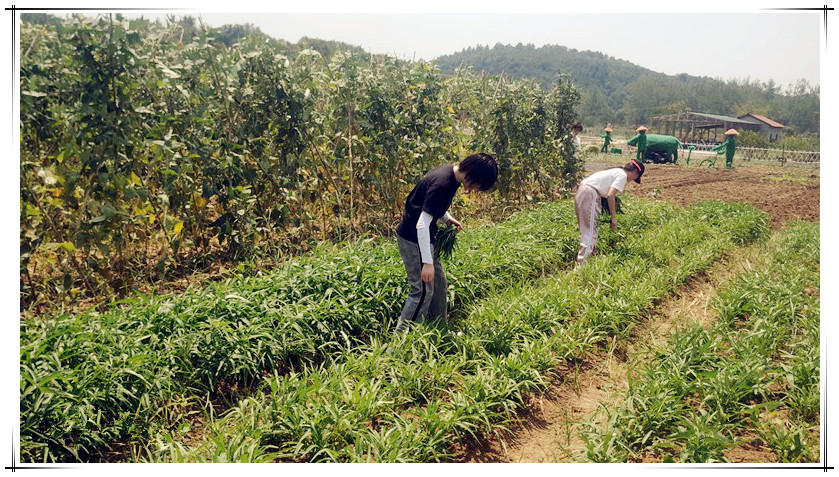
(119, 33)
(68, 246)
(108, 210)
(32, 211)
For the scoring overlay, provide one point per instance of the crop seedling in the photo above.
(725, 380)
(454, 387)
(318, 325)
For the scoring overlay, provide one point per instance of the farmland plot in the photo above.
(366, 396)
(751, 382)
(416, 397)
(91, 381)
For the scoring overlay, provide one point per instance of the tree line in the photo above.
(619, 92)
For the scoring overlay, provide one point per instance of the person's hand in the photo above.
(614, 223)
(427, 273)
(455, 223)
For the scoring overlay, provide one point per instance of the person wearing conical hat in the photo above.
(607, 139)
(728, 147)
(640, 141)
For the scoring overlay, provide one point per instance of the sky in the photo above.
(728, 40)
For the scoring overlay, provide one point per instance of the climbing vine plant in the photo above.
(149, 150)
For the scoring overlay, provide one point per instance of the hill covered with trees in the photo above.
(621, 92)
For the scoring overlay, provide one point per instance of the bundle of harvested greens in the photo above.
(604, 205)
(445, 241)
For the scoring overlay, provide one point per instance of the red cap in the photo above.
(641, 128)
(640, 167)
(732, 132)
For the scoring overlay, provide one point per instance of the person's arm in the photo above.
(449, 220)
(424, 241)
(610, 199)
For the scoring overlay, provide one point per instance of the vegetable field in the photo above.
(152, 152)
(300, 364)
(751, 379)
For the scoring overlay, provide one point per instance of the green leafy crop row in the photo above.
(758, 363)
(92, 379)
(415, 397)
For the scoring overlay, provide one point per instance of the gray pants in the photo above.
(424, 300)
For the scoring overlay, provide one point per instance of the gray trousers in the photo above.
(424, 300)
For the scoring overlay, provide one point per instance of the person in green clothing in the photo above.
(728, 147)
(607, 140)
(640, 141)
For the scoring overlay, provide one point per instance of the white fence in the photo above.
(777, 156)
(754, 155)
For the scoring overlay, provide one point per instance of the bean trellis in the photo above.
(147, 149)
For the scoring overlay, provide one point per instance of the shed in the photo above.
(768, 127)
(693, 127)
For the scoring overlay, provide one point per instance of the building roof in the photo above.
(763, 119)
(727, 119)
(714, 121)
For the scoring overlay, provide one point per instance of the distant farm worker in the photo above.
(607, 139)
(606, 183)
(429, 201)
(728, 147)
(576, 129)
(639, 140)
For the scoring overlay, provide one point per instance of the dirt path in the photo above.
(552, 431)
(785, 193)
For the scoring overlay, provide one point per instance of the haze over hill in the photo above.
(617, 91)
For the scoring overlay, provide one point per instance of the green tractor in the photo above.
(661, 149)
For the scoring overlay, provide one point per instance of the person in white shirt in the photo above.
(606, 183)
(576, 129)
